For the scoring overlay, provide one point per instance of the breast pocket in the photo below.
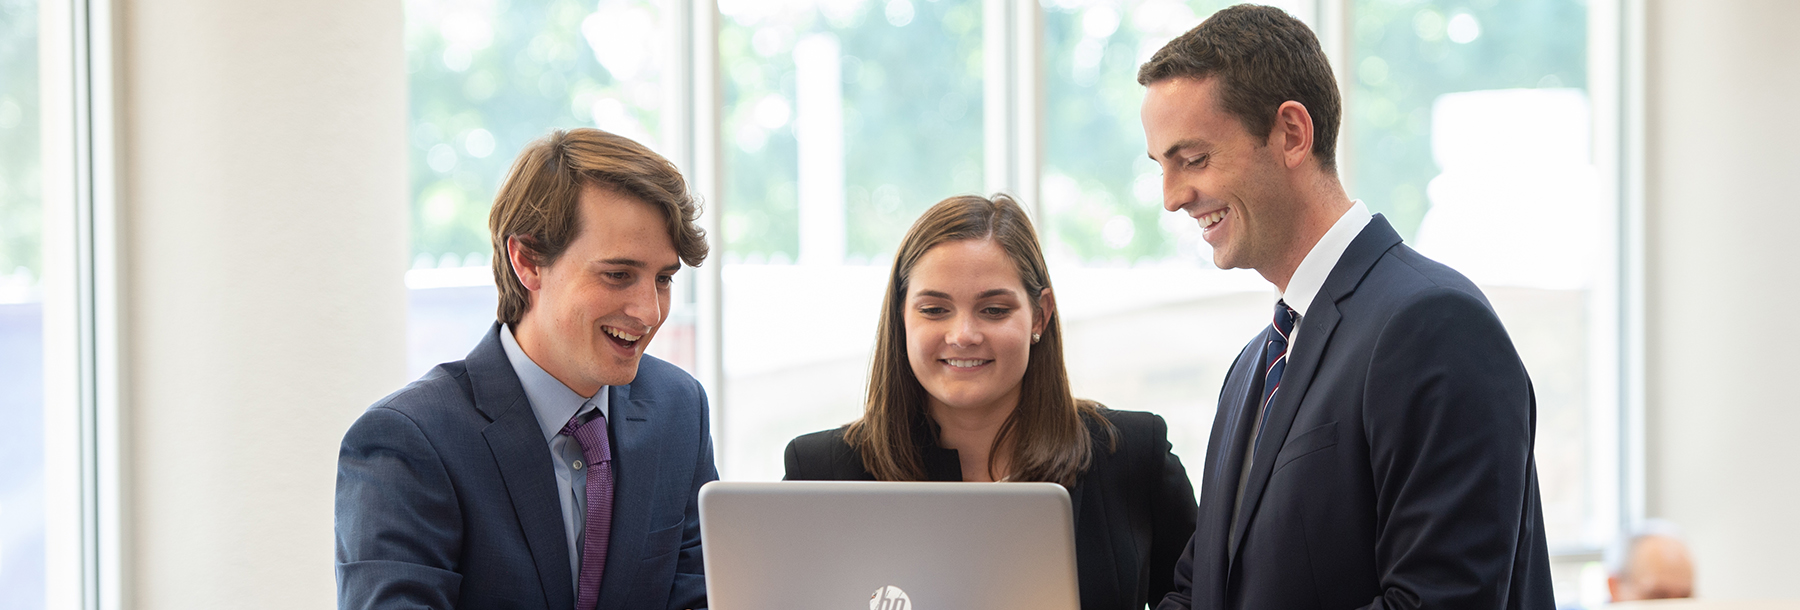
(662, 542)
(1314, 440)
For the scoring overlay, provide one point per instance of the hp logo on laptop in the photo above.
(889, 598)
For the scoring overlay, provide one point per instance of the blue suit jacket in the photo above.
(1396, 471)
(446, 496)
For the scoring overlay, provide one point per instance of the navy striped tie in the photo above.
(1274, 353)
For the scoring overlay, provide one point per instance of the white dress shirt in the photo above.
(554, 404)
(1310, 276)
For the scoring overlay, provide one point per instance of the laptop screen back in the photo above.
(844, 545)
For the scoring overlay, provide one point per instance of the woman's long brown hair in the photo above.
(1045, 437)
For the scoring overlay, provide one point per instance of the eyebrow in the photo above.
(638, 264)
(984, 294)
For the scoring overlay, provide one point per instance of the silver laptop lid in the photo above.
(847, 545)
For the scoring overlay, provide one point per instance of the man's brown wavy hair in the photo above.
(540, 203)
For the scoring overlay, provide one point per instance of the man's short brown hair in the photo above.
(1263, 57)
(540, 204)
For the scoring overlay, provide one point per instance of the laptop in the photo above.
(847, 545)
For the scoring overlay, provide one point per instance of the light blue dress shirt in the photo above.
(554, 404)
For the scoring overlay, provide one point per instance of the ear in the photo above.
(1612, 588)
(1046, 310)
(1292, 136)
(523, 264)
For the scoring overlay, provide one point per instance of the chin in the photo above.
(1224, 260)
(619, 374)
(965, 400)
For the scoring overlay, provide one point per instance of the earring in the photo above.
(1035, 337)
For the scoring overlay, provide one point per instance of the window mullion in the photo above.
(1014, 99)
(702, 116)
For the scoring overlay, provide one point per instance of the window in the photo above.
(1472, 126)
(1486, 131)
(1125, 269)
(58, 509)
(843, 121)
(1483, 130)
(22, 404)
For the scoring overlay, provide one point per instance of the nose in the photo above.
(644, 305)
(1176, 195)
(963, 332)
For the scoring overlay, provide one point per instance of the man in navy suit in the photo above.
(1373, 446)
(557, 466)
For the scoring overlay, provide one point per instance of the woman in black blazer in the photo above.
(968, 384)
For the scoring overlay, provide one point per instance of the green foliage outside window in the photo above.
(912, 87)
(1102, 194)
(912, 77)
(21, 188)
(485, 79)
(1405, 53)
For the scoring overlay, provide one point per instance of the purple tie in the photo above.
(596, 450)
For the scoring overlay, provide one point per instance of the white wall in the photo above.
(1723, 260)
(264, 237)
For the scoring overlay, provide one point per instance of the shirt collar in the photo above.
(1310, 276)
(552, 402)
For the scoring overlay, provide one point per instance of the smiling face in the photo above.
(968, 326)
(597, 306)
(1216, 171)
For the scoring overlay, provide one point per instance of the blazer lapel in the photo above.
(636, 461)
(1321, 320)
(524, 460)
(1213, 525)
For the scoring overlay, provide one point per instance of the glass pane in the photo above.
(22, 500)
(1123, 267)
(844, 119)
(1470, 128)
(487, 77)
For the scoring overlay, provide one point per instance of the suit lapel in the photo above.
(524, 461)
(1321, 321)
(1219, 487)
(636, 461)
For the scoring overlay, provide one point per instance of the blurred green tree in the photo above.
(912, 85)
(1406, 53)
(21, 182)
(487, 77)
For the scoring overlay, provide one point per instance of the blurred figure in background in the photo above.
(1652, 564)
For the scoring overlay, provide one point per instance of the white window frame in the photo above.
(83, 483)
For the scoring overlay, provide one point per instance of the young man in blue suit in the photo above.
(557, 466)
(1373, 446)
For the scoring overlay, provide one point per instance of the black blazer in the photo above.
(1133, 506)
(1399, 470)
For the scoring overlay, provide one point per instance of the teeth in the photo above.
(622, 335)
(1207, 221)
(964, 363)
